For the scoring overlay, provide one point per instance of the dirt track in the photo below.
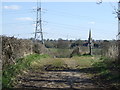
(65, 76)
(56, 79)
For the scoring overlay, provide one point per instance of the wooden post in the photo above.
(90, 43)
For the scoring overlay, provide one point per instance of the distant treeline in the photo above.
(107, 48)
(61, 43)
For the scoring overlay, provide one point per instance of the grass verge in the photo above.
(107, 72)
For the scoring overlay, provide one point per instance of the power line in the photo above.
(68, 14)
(21, 12)
(23, 23)
(66, 25)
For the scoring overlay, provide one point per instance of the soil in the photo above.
(59, 79)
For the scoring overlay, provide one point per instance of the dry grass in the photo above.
(72, 63)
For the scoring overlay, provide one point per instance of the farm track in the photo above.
(66, 79)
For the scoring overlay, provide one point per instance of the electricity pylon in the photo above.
(38, 29)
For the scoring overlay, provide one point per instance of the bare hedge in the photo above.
(13, 48)
(111, 49)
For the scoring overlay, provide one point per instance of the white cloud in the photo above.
(25, 19)
(12, 7)
(92, 22)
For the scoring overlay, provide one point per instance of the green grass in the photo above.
(108, 70)
(10, 72)
(85, 61)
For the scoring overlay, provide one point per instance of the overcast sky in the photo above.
(67, 20)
